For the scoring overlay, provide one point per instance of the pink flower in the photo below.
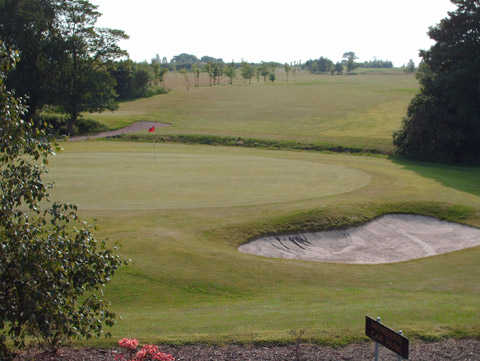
(140, 355)
(150, 349)
(128, 343)
(160, 356)
(119, 357)
(147, 353)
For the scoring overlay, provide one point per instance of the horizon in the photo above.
(258, 32)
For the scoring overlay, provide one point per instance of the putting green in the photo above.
(171, 177)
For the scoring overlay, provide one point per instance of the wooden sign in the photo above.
(386, 337)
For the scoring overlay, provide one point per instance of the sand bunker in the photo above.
(391, 238)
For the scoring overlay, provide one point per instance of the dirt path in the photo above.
(459, 350)
(133, 128)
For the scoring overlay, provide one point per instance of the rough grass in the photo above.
(357, 111)
(188, 283)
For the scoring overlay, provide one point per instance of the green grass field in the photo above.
(360, 111)
(180, 211)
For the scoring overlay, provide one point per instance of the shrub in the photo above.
(56, 124)
(52, 268)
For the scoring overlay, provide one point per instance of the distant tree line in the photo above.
(348, 64)
(376, 63)
(217, 69)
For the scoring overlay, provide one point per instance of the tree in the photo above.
(122, 72)
(52, 268)
(443, 120)
(158, 72)
(217, 72)
(63, 55)
(184, 60)
(156, 60)
(29, 26)
(339, 68)
(349, 59)
(196, 74)
(410, 67)
(209, 70)
(264, 71)
(230, 72)
(257, 73)
(376, 63)
(140, 83)
(247, 72)
(294, 72)
(207, 59)
(287, 69)
(85, 84)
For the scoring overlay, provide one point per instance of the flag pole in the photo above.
(152, 130)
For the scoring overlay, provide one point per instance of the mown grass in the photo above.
(354, 111)
(188, 283)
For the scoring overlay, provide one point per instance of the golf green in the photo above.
(166, 177)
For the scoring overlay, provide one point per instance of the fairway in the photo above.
(163, 176)
(188, 282)
(359, 111)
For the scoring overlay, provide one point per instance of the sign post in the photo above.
(376, 343)
(387, 337)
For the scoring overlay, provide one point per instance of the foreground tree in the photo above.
(52, 268)
(443, 120)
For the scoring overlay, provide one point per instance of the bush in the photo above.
(52, 268)
(56, 124)
(155, 91)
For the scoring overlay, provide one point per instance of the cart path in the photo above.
(132, 128)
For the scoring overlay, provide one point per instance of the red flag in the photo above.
(151, 129)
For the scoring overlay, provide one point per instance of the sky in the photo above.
(278, 30)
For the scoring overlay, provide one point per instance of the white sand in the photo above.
(391, 238)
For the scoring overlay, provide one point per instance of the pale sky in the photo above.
(275, 30)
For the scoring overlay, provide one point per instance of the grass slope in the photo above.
(357, 111)
(188, 283)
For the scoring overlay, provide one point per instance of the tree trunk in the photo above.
(71, 120)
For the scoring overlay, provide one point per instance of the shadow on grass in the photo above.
(461, 178)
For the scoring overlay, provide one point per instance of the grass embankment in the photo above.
(353, 111)
(244, 142)
(181, 215)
